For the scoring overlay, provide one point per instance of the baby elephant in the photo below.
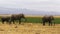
(5, 19)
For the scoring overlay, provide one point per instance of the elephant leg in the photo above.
(2, 22)
(43, 23)
(50, 23)
(19, 21)
(13, 22)
(9, 22)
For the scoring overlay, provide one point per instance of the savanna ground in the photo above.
(32, 26)
(29, 28)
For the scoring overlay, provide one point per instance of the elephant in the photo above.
(17, 17)
(48, 19)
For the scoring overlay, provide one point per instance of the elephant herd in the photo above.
(12, 18)
(18, 17)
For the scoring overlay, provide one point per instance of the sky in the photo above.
(38, 5)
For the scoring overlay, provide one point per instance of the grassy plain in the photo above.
(39, 20)
(29, 28)
(33, 25)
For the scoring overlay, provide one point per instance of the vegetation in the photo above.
(39, 20)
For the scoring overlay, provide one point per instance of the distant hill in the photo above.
(26, 11)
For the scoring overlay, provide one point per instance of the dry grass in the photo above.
(37, 16)
(29, 28)
(27, 15)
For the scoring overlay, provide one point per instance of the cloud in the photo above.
(34, 0)
(46, 5)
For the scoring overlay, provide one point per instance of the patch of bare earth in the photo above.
(29, 28)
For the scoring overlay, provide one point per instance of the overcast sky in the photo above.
(39, 5)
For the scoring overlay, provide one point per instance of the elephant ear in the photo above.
(52, 17)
